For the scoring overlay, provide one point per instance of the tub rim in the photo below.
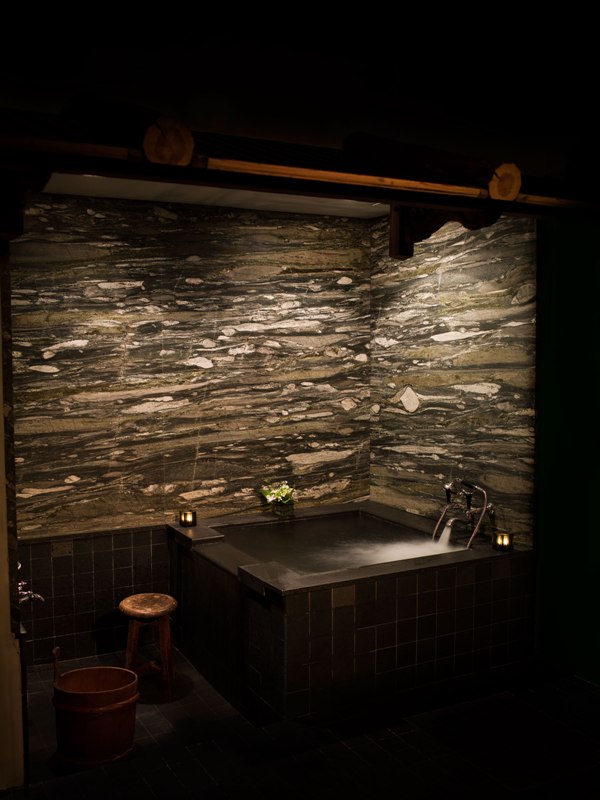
(208, 541)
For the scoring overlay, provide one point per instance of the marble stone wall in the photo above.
(453, 369)
(177, 356)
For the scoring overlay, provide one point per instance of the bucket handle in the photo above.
(56, 654)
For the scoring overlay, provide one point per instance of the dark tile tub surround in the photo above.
(428, 625)
(82, 579)
(173, 356)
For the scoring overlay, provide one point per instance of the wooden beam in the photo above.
(351, 178)
(502, 183)
(169, 141)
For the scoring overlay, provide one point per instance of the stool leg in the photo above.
(166, 654)
(133, 637)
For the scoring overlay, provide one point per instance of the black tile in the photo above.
(123, 578)
(42, 628)
(320, 600)
(407, 607)
(122, 539)
(40, 550)
(319, 648)
(386, 635)
(160, 575)
(446, 599)
(297, 603)
(41, 567)
(406, 654)
(444, 647)
(427, 581)
(500, 589)
(426, 626)
(385, 660)
(64, 605)
(464, 596)
(62, 585)
(482, 615)
(160, 552)
(446, 622)
(482, 593)
(446, 578)
(141, 539)
(365, 640)
(406, 630)
(367, 751)
(386, 588)
(406, 584)
(464, 619)
(298, 627)
(343, 618)
(122, 557)
(365, 664)
(365, 592)
(62, 565)
(483, 571)
(297, 677)
(342, 647)
(426, 603)
(64, 625)
(103, 580)
(366, 615)
(103, 543)
(83, 562)
(463, 640)
(500, 610)
(83, 545)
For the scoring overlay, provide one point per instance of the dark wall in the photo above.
(566, 537)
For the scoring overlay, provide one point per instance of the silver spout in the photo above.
(27, 594)
(455, 508)
(24, 596)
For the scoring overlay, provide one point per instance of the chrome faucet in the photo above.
(459, 504)
(27, 594)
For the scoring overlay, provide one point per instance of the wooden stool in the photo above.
(150, 609)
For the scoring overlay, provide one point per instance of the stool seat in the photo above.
(147, 606)
(150, 608)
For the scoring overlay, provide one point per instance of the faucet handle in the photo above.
(450, 488)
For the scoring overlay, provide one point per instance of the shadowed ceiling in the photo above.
(316, 93)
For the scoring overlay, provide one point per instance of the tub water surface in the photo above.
(344, 540)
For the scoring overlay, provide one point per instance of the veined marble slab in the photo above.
(182, 355)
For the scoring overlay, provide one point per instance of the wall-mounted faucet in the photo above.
(459, 504)
(27, 594)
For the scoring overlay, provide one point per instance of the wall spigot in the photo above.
(27, 594)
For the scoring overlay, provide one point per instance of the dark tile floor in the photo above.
(536, 739)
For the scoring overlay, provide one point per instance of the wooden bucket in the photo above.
(95, 714)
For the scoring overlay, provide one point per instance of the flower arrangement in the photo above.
(278, 492)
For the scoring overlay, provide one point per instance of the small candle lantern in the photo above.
(187, 519)
(502, 540)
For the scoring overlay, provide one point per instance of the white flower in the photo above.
(278, 492)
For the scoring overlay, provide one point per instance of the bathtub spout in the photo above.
(456, 509)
